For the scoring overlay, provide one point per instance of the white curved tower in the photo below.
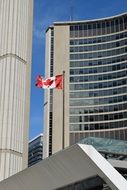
(15, 71)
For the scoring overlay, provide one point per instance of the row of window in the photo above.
(76, 136)
(102, 69)
(51, 91)
(98, 47)
(97, 32)
(99, 24)
(35, 144)
(35, 148)
(98, 39)
(98, 27)
(88, 78)
(98, 126)
(99, 101)
(33, 156)
(99, 62)
(98, 85)
(34, 160)
(96, 93)
(51, 52)
(92, 118)
(98, 54)
(98, 109)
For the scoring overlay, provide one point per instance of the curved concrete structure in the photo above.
(70, 166)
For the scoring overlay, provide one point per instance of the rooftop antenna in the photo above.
(71, 10)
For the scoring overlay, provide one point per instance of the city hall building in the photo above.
(93, 54)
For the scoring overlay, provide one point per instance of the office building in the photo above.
(93, 54)
(35, 150)
(15, 73)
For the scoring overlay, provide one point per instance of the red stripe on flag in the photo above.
(58, 81)
(39, 83)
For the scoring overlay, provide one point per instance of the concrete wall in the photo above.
(47, 97)
(61, 63)
(15, 73)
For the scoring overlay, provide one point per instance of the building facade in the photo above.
(35, 150)
(93, 54)
(15, 73)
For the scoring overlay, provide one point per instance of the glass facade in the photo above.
(35, 150)
(109, 146)
(98, 79)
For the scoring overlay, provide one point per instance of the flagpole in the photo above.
(63, 126)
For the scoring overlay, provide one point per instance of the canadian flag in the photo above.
(49, 83)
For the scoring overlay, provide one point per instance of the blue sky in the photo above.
(45, 13)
